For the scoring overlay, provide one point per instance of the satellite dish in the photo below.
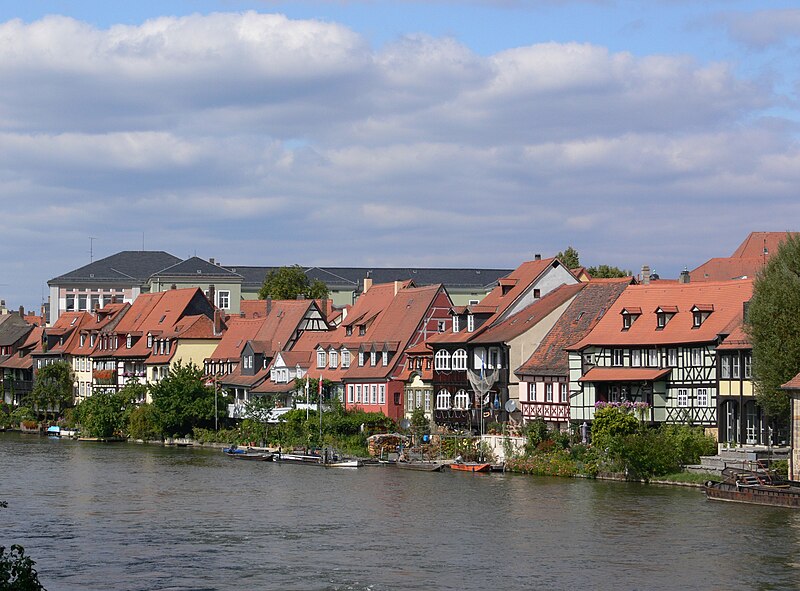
(511, 405)
(405, 424)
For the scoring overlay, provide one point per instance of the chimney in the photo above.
(211, 260)
(173, 286)
(217, 322)
(301, 296)
(397, 286)
(269, 305)
(645, 275)
(22, 311)
(684, 277)
(212, 294)
(537, 257)
(3, 309)
(367, 281)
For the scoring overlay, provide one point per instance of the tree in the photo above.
(258, 411)
(182, 401)
(607, 272)
(570, 258)
(105, 414)
(773, 326)
(287, 283)
(53, 388)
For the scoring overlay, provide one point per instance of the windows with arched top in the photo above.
(442, 360)
(443, 400)
(461, 400)
(460, 359)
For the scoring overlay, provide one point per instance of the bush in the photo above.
(142, 424)
(202, 435)
(612, 421)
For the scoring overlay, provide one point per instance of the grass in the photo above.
(688, 477)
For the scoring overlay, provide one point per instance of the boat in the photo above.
(471, 467)
(327, 461)
(422, 466)
(248, 455)
(233, 450)
(755, 487)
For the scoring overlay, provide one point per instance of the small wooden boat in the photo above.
(344, 464)
(756, 487)
(421, 466)
(471, 467)
(258, 457)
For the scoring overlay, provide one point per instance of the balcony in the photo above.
(549, 411)
(104, 377)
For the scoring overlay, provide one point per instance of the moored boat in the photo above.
(258, 457)
(755, 487)
(471, 467)
(422, 466)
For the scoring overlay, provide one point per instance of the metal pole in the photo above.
(307, 398)
(216, 413)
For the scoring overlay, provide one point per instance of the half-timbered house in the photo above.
(657, 346)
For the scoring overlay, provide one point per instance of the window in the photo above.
(735, 366)
(427, 400)
(248, 362)
(70, 306)
(91, 340)
(725, 367)
(358, 393)
(441, 326)
(361, 359)
(672, 357)
(617, 357)
(345, 358)
(702, 397)
(531, 391)
(661, 320)
(348, 331)
(537, 293)
(385, 358)
(373, 358)
(474, 302)
(441, 361)
(223, 299)
(333, 359)
(362, 329)
(81, 301)
(626, 321)
(494, 359)
(374, 398)
(456, 324)
(83, 340)
(636, 358)
(548, 392)
(697, 319)
(683, 398)
(382, 394)
(461, 400)
(564, 392)
(470, 323)
(418, 400)
(443, 400)
(460, 360)
(321, 358)
(149, 340)
(748, 366)
(697, 357)
(652, 357)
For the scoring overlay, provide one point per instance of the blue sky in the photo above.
(370, 133)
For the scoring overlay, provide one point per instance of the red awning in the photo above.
(623, 374)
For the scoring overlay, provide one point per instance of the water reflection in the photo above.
(143, 517)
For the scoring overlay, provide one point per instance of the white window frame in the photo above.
(224, 299)
(427, 400)
(373, 399)
(563, 394)
(459, 360)
(456, 324)
(358, 393)
(321, 359)
(373, 358)
(748, 366)
(345, 358)
(333, 359)
(735, 368)
(361, 359)
(725, 367)
(697, 357)
(384, 358)
(442, 360)
(617, 357)
(636, 358)
(672, 357)
(702, 397)
(652, 357)
(683, 398)
(443, 400)
(470, 323)
(382, 394)
(461, 400)
(548, 392)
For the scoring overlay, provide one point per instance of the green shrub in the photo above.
(612, 421)
(142, 423)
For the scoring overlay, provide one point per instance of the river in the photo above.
(142, 517)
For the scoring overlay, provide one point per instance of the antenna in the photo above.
(91, 248)
(142, 241)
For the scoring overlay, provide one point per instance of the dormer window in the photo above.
(128, 342)
(456, 323)
(362, 329)
(91, 341)
(321, 358)
(699, 314)
(348, 331)
(149, 340)
(345, 358)
(373, 358)
(663, 315)
(361, 359)
(629, 316)
(470, 323)
(83, 340)
(385, 358)
(333, 359)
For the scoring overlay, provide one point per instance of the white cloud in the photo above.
(277, 141)
(763, 28)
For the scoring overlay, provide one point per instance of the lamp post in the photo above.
(216, 412)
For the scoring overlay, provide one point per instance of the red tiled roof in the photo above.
(793, 384)
(240, 330)
(594, 300)
(746, 261)
(530, 316)
(523, 277)
(623, 374)
(756, 242)
(727, 297)
(737, 337)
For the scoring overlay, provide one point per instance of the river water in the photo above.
(141, 517)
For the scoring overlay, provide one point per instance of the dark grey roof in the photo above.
(12, 329)
(128, 266)
(197, 267)
(353, 277)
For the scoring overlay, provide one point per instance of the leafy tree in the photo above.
(773, 326)
(570, 258)
(313, 389)
(17, 572)
(142, 423)
(53, 388)
(610, 422)
(287, 283)
(607, 272)
(258, 410)
(182, 401)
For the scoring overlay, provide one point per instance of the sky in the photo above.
(406, 134)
